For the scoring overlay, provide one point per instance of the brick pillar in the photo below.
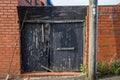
(9, 37)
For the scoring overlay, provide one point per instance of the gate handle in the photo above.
(64, 49)
(43, 34)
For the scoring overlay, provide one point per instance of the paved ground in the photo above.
(111, 78)
(81, 77)
(60, 78)
(67, 78)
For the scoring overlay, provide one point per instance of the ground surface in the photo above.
(67, 78)
(111, 78)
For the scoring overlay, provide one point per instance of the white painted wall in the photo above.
(82, 2)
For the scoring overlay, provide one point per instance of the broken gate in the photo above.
(52, 38)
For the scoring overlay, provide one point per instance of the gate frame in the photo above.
(42, 21)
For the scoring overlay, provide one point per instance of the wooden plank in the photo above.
(53, 21)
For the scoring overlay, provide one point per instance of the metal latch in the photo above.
(64, 49)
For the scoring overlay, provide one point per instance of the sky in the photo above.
(82, 2)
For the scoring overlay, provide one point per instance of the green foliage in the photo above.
(82, 68)
(103, 68)
(115, 67)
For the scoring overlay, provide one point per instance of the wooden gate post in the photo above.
(93, 31)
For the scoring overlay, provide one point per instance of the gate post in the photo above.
(93, 31)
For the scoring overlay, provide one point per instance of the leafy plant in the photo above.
(82, 68)
(103, 68)
(115, 67)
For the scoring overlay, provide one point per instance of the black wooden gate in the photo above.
(51, 38)
(34, 54)
(67, 44)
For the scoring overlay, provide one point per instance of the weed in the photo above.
(82, 68)
(104, 69)
(115, 67)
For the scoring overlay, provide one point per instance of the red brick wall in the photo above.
(108, 33)
(9, 37)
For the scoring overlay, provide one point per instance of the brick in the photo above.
(108, 33)
(6, 1)
(4, 70)
(13, 8)
(3, 11)
(15, 2)
(1, 2)
(3, 5)
(11, 11)
(11, 5)
(1, 8)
